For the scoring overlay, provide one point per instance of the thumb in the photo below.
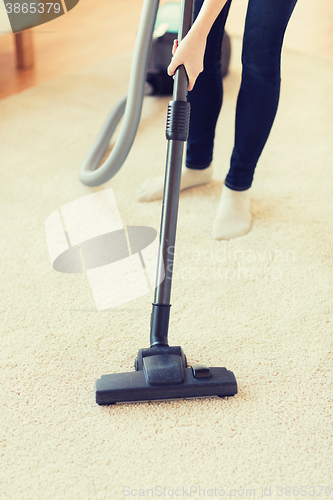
(173, 64)
(171, 68)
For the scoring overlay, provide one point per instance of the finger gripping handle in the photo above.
(178, 121)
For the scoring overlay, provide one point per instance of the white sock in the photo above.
(152, 188)
(233, 216)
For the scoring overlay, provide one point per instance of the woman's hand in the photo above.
(191, 49)
(190, 53)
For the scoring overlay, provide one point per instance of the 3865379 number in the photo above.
(33, 8)
(304, 491)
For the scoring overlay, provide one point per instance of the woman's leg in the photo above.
(206, 96)
(258, 98)
(206, 101)
(257, 103)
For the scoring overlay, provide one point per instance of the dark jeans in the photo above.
(258, 97)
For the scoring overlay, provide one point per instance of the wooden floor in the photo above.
(94, 31)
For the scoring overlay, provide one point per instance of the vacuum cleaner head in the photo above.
(162, 373)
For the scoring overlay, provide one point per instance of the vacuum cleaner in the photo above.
(161, 371)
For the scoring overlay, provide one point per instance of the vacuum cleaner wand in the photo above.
(161, 371)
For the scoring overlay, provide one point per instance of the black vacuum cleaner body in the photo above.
(161, 371)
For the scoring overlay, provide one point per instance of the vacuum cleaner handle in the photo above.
(181, 85)
(176, 133)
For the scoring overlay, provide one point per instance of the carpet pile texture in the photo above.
(260, 305)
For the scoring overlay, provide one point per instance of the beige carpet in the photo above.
(261, 305)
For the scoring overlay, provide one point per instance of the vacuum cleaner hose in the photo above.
(129, 106)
